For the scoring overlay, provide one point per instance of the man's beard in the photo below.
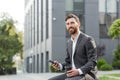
(72, 30)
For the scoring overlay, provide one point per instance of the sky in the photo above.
(14, 8)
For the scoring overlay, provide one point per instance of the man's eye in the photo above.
(67, 23)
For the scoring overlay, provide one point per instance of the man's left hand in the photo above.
(73, 72)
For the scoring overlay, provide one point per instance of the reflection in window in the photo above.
(79, 6)
(111, 6)
(69, 5)
(105, 6)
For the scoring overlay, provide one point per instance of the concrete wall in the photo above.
(58, 30)
(91, 19)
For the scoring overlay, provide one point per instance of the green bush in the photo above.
(116, 64)
(106, 67)
(52, 69)
(101, 62)
(116, 58)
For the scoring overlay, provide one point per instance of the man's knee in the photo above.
(50, 79)
(53, 78)
(59, 77)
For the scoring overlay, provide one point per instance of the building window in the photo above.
(38, 63)
(47, 19)
(42, 62)
(103, 31)
(34, 64)
(37, 21)
(47, 58)
(31, 26)
(34, 22)
(30, 64)
(69, 5)
(27, 64)
(107, 14)
(41, 20)
(79, 6)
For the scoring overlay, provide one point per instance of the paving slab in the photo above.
(44, 76)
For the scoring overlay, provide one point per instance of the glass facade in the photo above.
(76, 7)
(107, 14)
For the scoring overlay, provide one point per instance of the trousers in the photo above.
(64, 77)
(76, 78)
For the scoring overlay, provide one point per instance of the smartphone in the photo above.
(51, 61)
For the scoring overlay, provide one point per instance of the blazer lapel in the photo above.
(70, 48)
(78, 42)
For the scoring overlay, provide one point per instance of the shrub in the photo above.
(116, 64)
(116, 58)
(101, 62)
(52, 69)
(106, 67)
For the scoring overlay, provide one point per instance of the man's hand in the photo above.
(73, 72)
(56, 65)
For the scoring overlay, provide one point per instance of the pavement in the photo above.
(44, 76)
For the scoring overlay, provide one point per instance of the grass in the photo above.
(116, 75)
(106, 77)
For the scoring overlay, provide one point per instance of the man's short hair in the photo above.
(72, 16)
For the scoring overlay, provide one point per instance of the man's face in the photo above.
(72, 26)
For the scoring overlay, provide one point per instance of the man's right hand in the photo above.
(56, 65)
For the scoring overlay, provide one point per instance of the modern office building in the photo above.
(45, 33)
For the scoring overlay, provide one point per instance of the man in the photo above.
(81, 54)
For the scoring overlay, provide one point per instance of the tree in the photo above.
(10, 43)
(114, 32)
(20, 34)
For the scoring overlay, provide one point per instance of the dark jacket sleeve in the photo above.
(91, 52)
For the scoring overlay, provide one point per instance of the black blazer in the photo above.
(85, 55)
